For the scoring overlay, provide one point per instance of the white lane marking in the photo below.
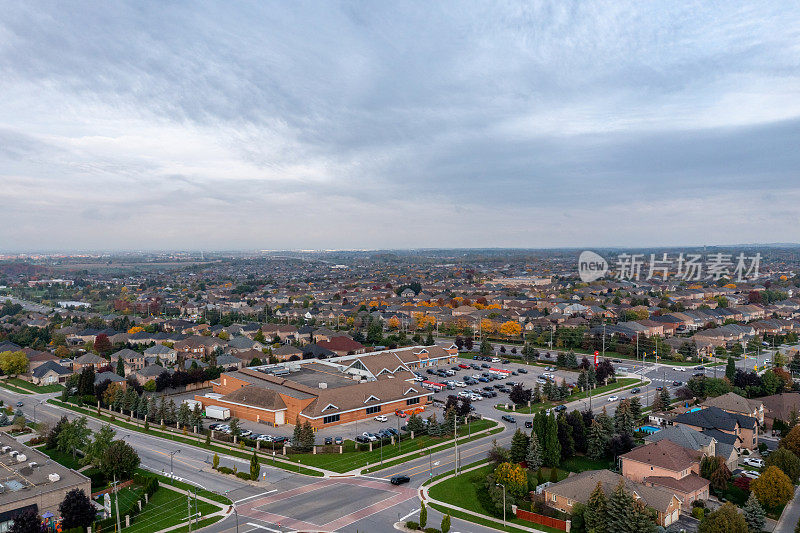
(256, 496)
(259, 526)
(415, 511)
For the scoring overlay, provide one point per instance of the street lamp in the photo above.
(504, 502)
(34, 409)
(171, 455)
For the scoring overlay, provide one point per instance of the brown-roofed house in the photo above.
(667, 465)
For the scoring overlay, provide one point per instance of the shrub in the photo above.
(431, 530)
(243, 475)
(698, 512)
(412, 525)
(225, 470)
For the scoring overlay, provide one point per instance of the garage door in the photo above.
(279, 418)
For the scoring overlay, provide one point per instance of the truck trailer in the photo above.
(219, 413)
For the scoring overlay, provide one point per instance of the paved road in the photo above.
(790, 516)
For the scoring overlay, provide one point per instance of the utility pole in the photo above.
(604, 337)
(116, 496)
(189, 509)
(455, 444)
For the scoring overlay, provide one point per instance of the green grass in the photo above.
(13, 388)
(186, 486)
(198, 525)
(62, 458)
(127, 497)
(166, 508)
(387, 464)
(347, 461)
(465, 491)
(620, 384)
(55, 387)
(580, 463)
(246, 453)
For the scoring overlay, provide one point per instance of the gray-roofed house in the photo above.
(697, 440)
(713, 419)
(49, 373)
(109, 376)
(164, 353)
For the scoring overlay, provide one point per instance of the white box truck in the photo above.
(220, 413)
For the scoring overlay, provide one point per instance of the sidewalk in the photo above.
(790, 516)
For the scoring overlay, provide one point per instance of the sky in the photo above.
(328, 125)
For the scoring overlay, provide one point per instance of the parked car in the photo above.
(20, 404)
(462, 365)
(328, 441)
(613, 398)
(752, 474)
(381, 418)
(361, 439)
(752, 461)
(509, 418)
(505, 361)
(528, 424)
(369, 436)
(400, 413)
(245, 433)
(338, 441)
(522, 371)
(399, 480)
(460, 384)
(560, 408)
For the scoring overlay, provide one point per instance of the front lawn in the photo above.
(65, 459)
(166, 508)
(581, 463)
(54, 387)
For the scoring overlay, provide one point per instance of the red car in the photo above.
(400, 413)
(462, 365)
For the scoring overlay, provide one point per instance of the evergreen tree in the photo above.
(565, 437)
(540, 426)
(142, 406)
(636, 409)
(297, 434)
(563, 390)
(596, 514)
(754, 514)
(620, 504)
(623, 420)
(307, 436)
(255, 467)
(184, 415)
(583, 380)
(596, 441)
(730, 369)
(162, 410)
(536, 396)
(607, 422)
(434, 429)
(131, 398)
(591, 377)
(519, 446)
(172, 413)
(665, 399)
(120, 367)
(415, 424)
(551, 454)
(533, 457)
(575, 420)
(197, 417)
(429, 339)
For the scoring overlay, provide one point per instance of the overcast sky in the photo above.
(396, 124)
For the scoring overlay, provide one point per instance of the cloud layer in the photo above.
(375, 124)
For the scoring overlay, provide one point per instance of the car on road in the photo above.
(677, 383)
(698, 374)
(528, 424)
(509, 418)
(699, 367)
(506, 361)
(381, 418)
(752, 474)
(679, 368)
(559, 408)
(20, 404)
(613, 398)
(399, 480)
(752, 461)
(659, 388)
(616, 360)
(636, 390)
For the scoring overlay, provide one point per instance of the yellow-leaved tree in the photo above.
(511, 328)
(773, 488)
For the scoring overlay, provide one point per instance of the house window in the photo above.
(373, 409)
(330, 419)
(412, 401)
(553, 498)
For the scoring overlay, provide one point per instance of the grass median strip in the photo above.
(176, 438)
(619, 385)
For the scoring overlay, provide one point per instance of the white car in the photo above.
(381, 418)
(613, 398)
(679, 368)
(460, 384)
(476, 398)
(369, 436)
(752, 461)
(752, 474)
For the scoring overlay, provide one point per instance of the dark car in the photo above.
(509, 418)
(510, 383)
(504, 389)
(399, 480)
(522, 371)
(20, 404)
(483, 379)
(362, 439)
(214, 426)
(484, 365)
(677, 383)
(475, 367)
(505, 361)
(338, 441)
(279, 440)
(636, 390)
(528, 424)
(698, 374)
(431, 371)
(659, 388)
(560, 408)
(514, 373)
(616, 360)
(328, 441)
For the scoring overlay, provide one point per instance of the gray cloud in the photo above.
(363, 124)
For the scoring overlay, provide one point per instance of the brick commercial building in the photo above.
(325, 392)
(31, 480)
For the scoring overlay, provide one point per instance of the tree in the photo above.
(76, 510)
(86, 381)
(235, 428)
(665, 398)
(215, 461)
(551, 455)
(423, 516)
(102, 344)
(597, 440)
(565, 437)
(73, 435)
(486, 347)
(27, 521)
(730, 369)
(791, 441)
(52, 436)
(720, 476)
(429, 339)
(519, 446)
(754, 514)
(513, 477)
(255, 467)
(519, 395)
(596, 513)
(726, 519)
(788, 462)
(120, 366)
(93, 454)
(120, 459)
(13, 363)
(636, 409)
(770, 383)
(445, 527)
(415, 424)
(623, 419)
(575, 420)
(773, 488)
(184, 415)
(533, 456)
(511, 328)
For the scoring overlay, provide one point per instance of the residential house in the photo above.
(578, 487)
(743, 430)
(49, 373)
(667, 465)
(286, 352)
(132, 360)
(164, 353)
(695, 440)
(88, 359)
(733, 403)
(782, 407)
